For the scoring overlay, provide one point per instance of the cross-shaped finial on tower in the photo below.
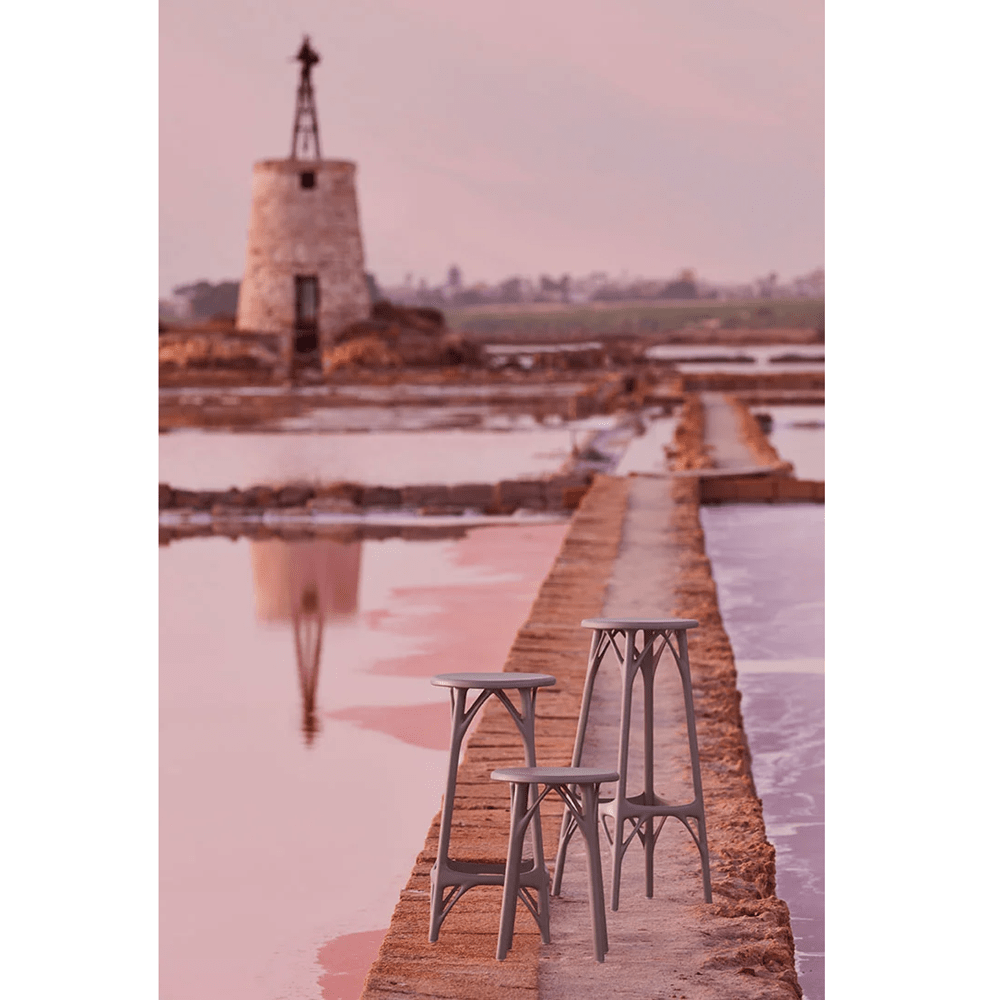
(305, 131)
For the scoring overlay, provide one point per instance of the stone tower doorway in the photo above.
(306, 313)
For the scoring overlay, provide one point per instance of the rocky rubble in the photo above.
(216, 349)
(394, 337)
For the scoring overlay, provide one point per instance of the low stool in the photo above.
(578, 787)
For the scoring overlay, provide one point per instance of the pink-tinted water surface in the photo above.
(203, 460)
(767, 561)
(303, 750)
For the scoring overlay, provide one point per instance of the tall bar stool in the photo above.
(451, 879)
(578, 788)
(638, 644)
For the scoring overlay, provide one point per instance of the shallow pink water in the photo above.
(204, 460)
(296, 789)
(799, 436)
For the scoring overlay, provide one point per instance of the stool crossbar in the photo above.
(578, 787)
(638, 645)
(451, 879)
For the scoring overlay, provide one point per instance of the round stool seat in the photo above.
(578, 787)
(554, 775)
(652, 624)
(493, 682)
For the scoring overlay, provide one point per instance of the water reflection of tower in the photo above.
(306, 584)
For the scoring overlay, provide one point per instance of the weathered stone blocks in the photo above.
(476, 495)
(296, 231)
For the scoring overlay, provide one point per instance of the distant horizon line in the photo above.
(415, 283)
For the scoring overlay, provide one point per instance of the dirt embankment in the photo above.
(755, 940)
(756, 441)
(744, 947)
(398, 337)
(760, 382)
(688, 450)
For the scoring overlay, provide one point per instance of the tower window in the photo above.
(307, 179)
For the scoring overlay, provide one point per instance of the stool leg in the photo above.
(537, 850)
(568, 822)
(618, 843)
(593, 841)
(565, 833)
(511, 878)
(684, 666)
(447, 808)
(648, 673)
(706, 879)
(593, 662)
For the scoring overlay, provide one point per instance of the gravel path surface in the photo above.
(675, 944)
(722, 433)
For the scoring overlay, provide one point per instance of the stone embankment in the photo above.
(741, 945)
(761, 489)
(770, 482)
(756, 441)
(754, 939)
(689, 451)
(769, 382)
(556, 493)
(297, 510)
(782, 397)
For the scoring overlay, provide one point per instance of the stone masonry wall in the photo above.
(302, 231)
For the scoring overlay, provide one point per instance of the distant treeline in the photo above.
(636, 318)
(517, 290)
(205, 300)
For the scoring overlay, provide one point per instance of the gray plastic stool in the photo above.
(578, 787)
(638, 644)
(450, 879)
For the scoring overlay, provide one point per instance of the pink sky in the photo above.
(508, 138)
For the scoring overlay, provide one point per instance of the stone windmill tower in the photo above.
(304, 276)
